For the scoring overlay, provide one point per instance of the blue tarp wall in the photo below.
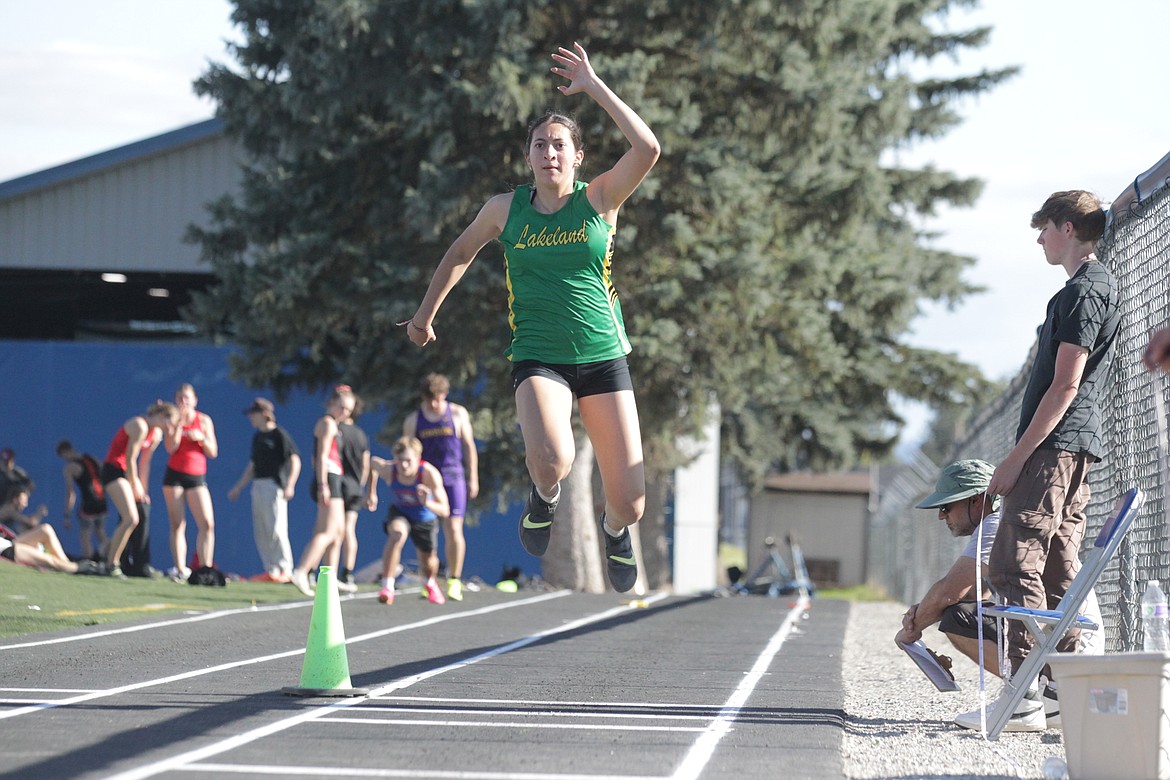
(83, 391)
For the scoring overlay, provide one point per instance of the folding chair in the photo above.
(1048, 626)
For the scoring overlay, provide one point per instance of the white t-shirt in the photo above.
(1091, 642)
(987, 531)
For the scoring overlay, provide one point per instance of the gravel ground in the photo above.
(900, 726)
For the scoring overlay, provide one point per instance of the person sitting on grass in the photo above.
(40, 548)
(12, 511)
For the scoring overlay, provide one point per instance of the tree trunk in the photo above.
(573, 559)
(655, 553)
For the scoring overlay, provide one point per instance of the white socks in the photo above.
(555, 497)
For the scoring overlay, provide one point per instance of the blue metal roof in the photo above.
(104, 160)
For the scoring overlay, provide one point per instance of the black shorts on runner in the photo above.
(424, 535)
(351, 493)
(111, 472)
(604, 376)
(174, 478)
(334, 487)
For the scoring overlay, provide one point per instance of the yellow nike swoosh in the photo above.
(526, 522)
(626, 561)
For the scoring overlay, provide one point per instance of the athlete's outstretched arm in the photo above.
(609, 190)
(488, 224)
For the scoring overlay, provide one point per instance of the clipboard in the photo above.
(937, 668)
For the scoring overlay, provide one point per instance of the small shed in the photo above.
(827, 514)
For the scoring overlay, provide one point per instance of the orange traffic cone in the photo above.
(326, 669)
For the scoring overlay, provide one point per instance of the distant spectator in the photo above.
(273, 472)
(12, 511)
(355, 475)
(330, 525)
(190, 444)
(83, 472)
(125, 477)
(12, 475)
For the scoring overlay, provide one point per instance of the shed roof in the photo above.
(858, 482)
(101, 161)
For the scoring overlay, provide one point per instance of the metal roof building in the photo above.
(69, 235)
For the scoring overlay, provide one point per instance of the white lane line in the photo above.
(181, 621)
(640, 728)
(654, 705)
(412, 774)
(276, 656)
(548, 714)
(47, 690)
(701, 752)
(189, 759)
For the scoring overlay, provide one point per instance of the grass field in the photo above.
(35, 602)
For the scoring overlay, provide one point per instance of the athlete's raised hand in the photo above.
(574, 66)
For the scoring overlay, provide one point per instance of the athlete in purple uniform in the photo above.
(444, 428)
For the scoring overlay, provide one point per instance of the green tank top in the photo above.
(562, 306)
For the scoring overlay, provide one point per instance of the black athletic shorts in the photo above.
(334, 487)
(174, 478)
(351, 492)
(960, 619)
(111, 472)
(424, 535)
(605, 376)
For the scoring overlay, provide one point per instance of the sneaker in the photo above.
(89, 567)
(432, 593)
(301, 581)
(619, 559)
(115, 572)
(386, 595)
(179, 575)
(536, 523)
(346, 587)
(454, 589)
(1029, 715)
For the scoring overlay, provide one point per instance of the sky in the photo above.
(1088, 111)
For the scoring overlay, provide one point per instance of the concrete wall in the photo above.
(828, 526)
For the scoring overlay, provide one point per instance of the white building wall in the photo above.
(128, 217)
(696, 517)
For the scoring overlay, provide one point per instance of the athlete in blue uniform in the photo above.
(417, 499)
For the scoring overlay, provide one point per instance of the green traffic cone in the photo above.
(326, 669)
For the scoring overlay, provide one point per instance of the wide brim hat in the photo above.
(961, 479)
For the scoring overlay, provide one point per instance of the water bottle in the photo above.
(1154, 619)
(1055, 769)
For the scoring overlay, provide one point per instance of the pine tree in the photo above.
(770, 266)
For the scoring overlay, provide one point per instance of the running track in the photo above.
(528, 686)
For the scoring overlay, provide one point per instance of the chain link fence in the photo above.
(909, 549)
